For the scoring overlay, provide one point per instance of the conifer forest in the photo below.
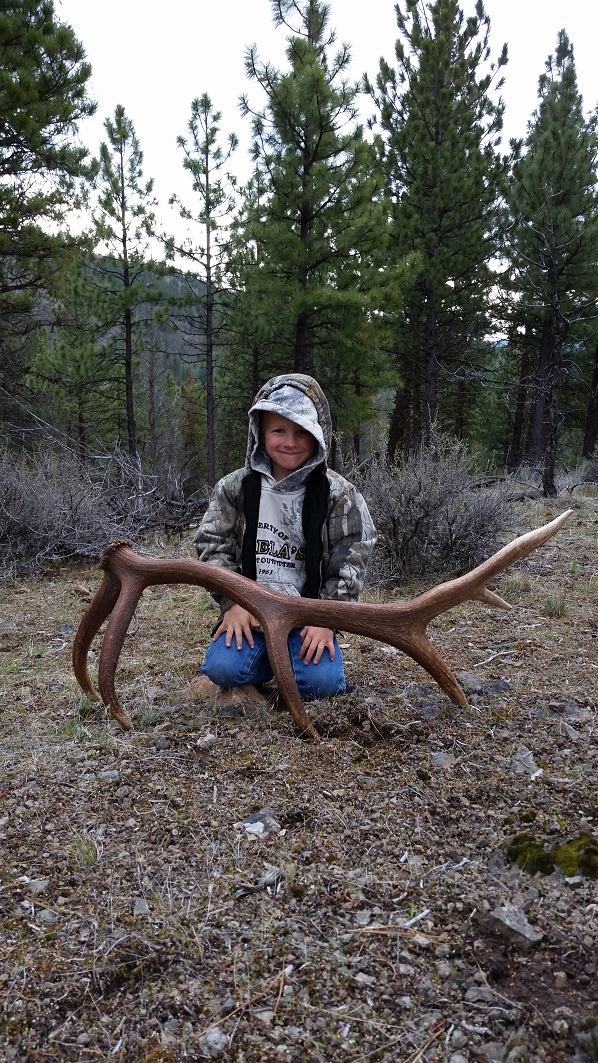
(438, 281)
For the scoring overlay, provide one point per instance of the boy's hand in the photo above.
(236, 622)
(315, 641)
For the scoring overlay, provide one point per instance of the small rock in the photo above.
(110, 775)
(513, 924)
(457, 1058)
(140, 906)
(214, 1043)
(493, 1051)
(569, 731)
(38, 885)
(523, 763)
(479, 994)
(560, 1027)
(48, 917)
(472, 684)
(363, 917)
(499, 686)
(427, 986)
(519, 1052)
(294, 1033)
(364, 979)
(264, 1015)
(405, 1002)
(420, 941)
(206, 742)
(442, 759)
(560, 979)
(259, 823)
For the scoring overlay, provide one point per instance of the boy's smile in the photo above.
(287, 444)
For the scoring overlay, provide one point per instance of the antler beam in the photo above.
(127, 574)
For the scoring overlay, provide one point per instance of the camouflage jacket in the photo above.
(348, 534)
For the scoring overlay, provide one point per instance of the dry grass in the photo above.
(139, 942)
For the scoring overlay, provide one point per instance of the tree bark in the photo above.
(515, 454)
(536, 429)
(591, 427)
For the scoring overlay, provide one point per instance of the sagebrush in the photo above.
(55, 507)
(431, 515)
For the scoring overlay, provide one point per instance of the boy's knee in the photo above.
(220, 674)
(324, 685)
(223, 667)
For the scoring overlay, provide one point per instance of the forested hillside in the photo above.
(433, 277)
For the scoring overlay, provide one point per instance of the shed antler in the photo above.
(127, 574)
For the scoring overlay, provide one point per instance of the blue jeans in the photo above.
(230, 667)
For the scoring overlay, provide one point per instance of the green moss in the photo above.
(577, 856)
(529, 854)
(586, 1036)
(529, 816)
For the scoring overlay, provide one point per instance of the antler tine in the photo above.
(91, 622)
(112, 644)
(472, 585)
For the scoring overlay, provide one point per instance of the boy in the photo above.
(292, 524)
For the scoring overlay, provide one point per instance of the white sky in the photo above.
(155, 58)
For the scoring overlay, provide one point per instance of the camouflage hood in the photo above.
(300, 399)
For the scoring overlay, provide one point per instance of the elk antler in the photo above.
(127, 574)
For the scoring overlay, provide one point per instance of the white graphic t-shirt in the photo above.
(280, 545)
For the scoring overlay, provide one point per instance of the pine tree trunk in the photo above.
(591, 427)
(131, 426)
(303, 360)
(152, 411)
(553, 391)
(210, 419)
(536, 429)
(552, 409)
(430, 372)
(515, 454)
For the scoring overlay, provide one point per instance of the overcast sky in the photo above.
(155, 59)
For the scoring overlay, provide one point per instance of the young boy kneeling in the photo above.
(292, 524)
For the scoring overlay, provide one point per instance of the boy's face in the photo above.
(287, 444)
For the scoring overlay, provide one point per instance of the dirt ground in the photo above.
(148, 914)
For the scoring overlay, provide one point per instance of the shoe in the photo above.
(233, 699)
(203, 689)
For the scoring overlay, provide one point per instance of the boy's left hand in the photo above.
(315, 641)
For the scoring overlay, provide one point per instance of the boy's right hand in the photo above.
(236, 622)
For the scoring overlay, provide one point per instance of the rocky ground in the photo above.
(206, 887)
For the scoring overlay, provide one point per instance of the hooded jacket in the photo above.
(339, 533)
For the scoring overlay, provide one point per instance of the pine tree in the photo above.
(312, 219)
(43, 94)
(553, 251)
(124, 224)
(438, 150)
(70, 373)
(205, 161)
